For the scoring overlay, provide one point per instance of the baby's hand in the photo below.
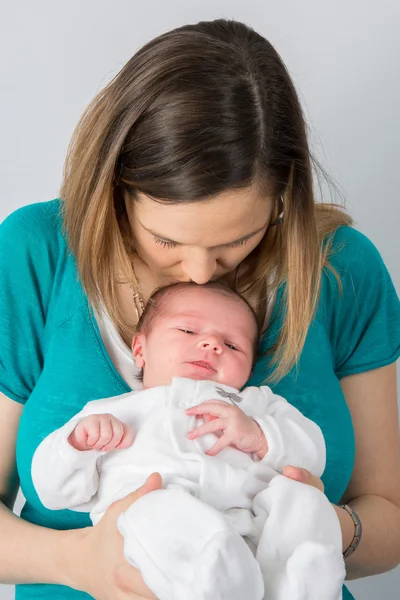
(237, 428)
(101, 432)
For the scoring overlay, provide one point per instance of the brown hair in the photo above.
(199, 110)
(154, 306)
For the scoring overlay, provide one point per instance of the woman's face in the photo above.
(198, 241)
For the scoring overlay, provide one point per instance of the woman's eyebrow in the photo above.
(242, 239)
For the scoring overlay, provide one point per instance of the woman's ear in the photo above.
(138, 345)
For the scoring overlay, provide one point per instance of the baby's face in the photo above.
(200, 334)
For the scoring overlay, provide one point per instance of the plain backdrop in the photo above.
(343, 56)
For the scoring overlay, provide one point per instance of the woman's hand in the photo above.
(346, 523)
(303, 476)
(98, 565)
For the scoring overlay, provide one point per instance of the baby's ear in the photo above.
(138, 344)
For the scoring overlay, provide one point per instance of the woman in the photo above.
(192, 164)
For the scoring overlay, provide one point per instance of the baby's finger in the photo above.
(209, 418)
(222, 443)
(92, 429)
(117, 433)
(211, 407)
(210, 427)
(106, 432)
(127, 438)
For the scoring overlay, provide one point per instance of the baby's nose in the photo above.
(211, 343)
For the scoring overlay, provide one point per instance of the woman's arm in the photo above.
(28, 554)
(374, 488)
(32, 554)
(89, 559)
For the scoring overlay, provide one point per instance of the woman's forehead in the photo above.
(222, 219)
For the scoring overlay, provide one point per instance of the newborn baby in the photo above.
(227, 525)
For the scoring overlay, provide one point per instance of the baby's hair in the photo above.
(155, 304)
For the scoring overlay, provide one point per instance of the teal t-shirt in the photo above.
(53, 360)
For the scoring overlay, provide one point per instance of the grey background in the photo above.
(343, 56)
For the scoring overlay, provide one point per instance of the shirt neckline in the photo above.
(96, 330)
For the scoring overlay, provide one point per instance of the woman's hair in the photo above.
(158, 300)
(199, 110)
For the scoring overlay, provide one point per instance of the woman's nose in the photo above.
(210, 343)
(199, 270)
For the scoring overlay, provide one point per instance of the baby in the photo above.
(227, 525)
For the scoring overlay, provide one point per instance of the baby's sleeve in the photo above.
(292, 438)
(63, 476)
(68, 478)
(27, 266)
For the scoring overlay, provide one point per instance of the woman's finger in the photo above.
(154, 482)
(303, 476)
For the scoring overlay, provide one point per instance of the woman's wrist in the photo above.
(35, 554)
(70, 559)
(346, 525)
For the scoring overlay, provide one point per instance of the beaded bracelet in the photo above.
(357, 530)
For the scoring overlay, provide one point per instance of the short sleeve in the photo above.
(26, 276)
(365, 323)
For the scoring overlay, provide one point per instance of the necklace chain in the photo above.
(138, 301)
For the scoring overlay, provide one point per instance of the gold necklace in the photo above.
(138, 301)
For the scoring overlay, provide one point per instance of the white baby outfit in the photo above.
(227, 527)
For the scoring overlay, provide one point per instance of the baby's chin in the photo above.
(192, 371)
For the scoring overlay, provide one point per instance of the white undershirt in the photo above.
(118, 351)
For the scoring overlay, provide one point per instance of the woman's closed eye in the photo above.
(164, 243)
(171, 245)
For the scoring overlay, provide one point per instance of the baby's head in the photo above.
(197, 331)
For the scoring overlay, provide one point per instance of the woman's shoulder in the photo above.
(31, 250)
(359, 306)
(353, 250)
(40, 221)
(355, 266)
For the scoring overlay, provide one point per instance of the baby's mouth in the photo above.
(204, 364)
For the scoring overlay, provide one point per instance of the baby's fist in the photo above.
(101, 432)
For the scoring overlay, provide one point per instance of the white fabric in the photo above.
(189, 534)
(118, 351)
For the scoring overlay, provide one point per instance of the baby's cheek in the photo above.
(240, 372)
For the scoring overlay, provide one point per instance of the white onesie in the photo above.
(227, 527)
